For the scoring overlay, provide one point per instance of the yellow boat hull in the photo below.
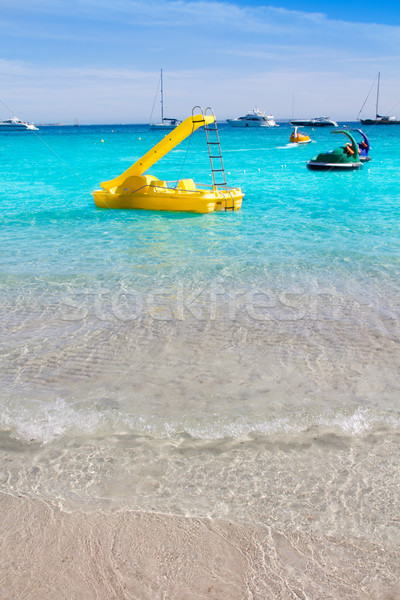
(151, 194)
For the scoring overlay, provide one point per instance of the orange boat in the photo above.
(299, 138)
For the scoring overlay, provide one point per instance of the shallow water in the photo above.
(241, 366)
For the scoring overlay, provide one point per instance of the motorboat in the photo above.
(344, 158)
(16, 124)
(316, 122)
(254, 118)
(298, 137)
(363, 146)
(166, 122)
(136, 189)
(379, 119)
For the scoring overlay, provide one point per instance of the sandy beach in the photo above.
(48, 554)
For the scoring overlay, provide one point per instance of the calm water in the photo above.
(228, 365)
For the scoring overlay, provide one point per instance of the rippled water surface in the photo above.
(228, 365)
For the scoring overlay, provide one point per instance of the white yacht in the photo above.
(16, 124)
(316, 122)
(254, 118)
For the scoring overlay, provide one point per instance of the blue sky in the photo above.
(99, 60)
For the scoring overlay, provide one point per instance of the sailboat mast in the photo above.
(377, 95)
(162, 100)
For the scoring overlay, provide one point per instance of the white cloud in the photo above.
(13, 67)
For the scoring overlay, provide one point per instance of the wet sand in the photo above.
(47, 554)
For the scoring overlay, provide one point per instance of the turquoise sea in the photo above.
(242, 365)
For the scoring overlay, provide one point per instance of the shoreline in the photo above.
(48, 554)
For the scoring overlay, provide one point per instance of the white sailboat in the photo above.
(379, 119)
(166, 122)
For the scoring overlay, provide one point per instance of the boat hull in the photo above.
(299, 140)
(173, 200)
(8, 128)
(235, 123)
(312, 123)
(320, 166)
(162, 126)
(380, 121)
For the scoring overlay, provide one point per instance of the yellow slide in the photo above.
(170, 141)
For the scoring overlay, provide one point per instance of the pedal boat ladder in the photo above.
(217, 165)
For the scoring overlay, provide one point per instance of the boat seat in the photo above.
(134, 183)
(158, 184)
(186, 184)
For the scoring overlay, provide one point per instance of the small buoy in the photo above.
(102, 141)
(139, 138)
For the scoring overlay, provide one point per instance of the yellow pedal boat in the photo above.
(134, 189)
